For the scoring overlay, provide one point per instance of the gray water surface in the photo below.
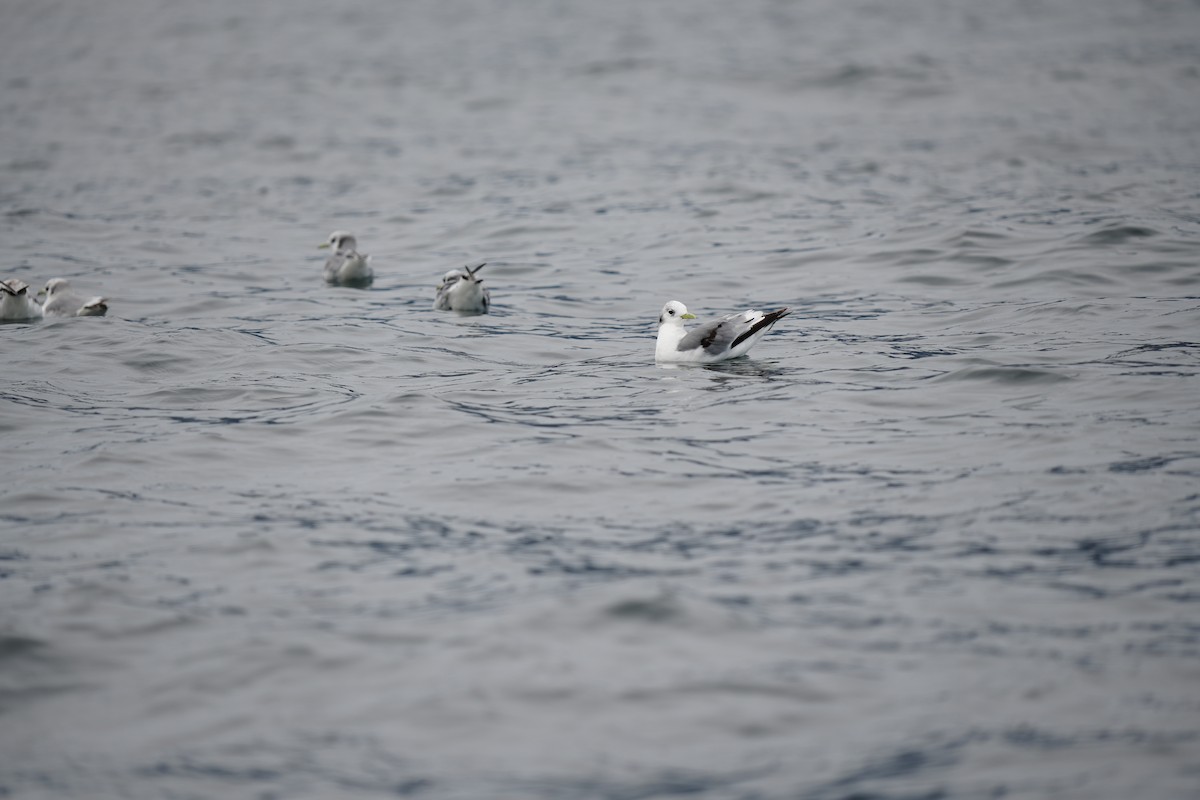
(935, 537)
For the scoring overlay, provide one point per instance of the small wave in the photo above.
(934, 280)
(1118, 234)
(1011, 376)
(1140, 464)
(1068, 277)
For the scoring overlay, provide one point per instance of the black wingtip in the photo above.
(764, 324)
(771, 317)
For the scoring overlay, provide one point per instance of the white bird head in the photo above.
(464, 274)
(673, 313)
(54, 285)
(340, 242)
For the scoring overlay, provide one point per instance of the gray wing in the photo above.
(442, 300)
(714, 337)
(332, 265)
(96, 307)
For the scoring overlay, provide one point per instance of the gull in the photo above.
(461, 291)
(62, 302)
(728, 337)
(346, 266)
(15, 302)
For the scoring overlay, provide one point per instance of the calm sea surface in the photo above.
(938, 536)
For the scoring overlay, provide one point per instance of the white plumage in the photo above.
(15, 302)
(460, 290)
(346, 266)
(62, 302)
(725, 338)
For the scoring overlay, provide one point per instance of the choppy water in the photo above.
(935, 537)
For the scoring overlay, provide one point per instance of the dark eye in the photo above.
(671, 311)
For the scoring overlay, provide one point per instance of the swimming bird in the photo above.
(62, 302)
(461, 291)
(15, 302)
(346, 266)
(728, 337)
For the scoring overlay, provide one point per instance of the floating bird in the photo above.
(461, 291)
(346, 266)
(15, 302)
(727, 337)
(62, 302)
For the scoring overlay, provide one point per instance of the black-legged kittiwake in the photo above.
(15, 302)
(346, 266)
(62, 302)
(461, 291)
(727, 337)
